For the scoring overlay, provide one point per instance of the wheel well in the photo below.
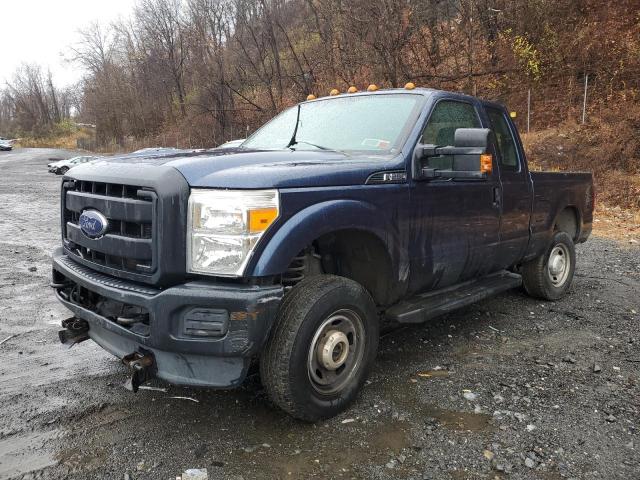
(360, 256)
(567, 221)
(355, 254)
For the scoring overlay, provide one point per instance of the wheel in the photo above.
(321, 347)
(63, 170)
(549, 276)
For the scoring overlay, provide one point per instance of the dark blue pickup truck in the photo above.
(289, 251)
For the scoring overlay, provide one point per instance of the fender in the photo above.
(300, 230)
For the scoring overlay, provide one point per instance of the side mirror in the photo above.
(467, 158)
(472, 137)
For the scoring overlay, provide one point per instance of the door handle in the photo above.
(496, 196)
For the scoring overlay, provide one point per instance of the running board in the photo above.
(426, 306)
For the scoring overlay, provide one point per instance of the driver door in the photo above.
(455, 222)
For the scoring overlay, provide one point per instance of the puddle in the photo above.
(20, 454)
(458, 421)
(342, 449)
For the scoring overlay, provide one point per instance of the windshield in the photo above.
(377, 123)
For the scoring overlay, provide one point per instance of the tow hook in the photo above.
(75, 331)
(141, 365)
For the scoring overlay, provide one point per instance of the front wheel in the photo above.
(321, 348)
(549, 276)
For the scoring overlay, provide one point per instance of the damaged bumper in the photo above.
(199, 333)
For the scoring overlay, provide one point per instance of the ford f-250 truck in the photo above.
(340, 213)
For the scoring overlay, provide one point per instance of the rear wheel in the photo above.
(549, 276)
(321, 348)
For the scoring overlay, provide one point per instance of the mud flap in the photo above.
(142, 366)
(75, 331)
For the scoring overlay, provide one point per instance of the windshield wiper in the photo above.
(320, 147)
(295, 130)
(293, 140)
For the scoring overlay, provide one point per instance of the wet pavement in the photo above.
(509, 388)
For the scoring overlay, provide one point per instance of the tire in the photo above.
(549, 281)
(323, 321)
(63, 170)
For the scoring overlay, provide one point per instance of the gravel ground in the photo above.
(509, 388)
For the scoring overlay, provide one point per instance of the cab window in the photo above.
(505, 143)
(447, 116)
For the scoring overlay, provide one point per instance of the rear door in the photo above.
(515, 202)
(455, 223)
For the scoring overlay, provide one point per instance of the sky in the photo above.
(40, 31)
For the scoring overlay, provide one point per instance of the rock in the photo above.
(610, 418)
(596, 368)
(470, 396)
(140, 467)
(488, 454)
(569, 359)
(348, 420)
(531, 428)
(402, 458)
(391, 463)
(127, 476)
(195, 474)
(33, 269)
(529, 462)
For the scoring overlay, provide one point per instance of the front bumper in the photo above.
(245, 314)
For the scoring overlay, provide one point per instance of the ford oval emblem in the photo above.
(93, 223)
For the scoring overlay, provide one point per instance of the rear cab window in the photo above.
(504, 140)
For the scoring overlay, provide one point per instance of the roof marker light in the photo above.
(513, 114)
(352, 89)
(410, 86)
(334, 92)
(311, 96)
(372, 88)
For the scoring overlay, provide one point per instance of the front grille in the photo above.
(128, 243)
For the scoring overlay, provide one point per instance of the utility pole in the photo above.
(528, 109)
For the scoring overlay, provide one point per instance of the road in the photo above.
(509, 388)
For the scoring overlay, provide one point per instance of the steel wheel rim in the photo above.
(559, 265)
(336, 352)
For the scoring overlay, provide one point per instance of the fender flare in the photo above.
(307, 225)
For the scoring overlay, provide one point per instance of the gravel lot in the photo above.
(509, 388)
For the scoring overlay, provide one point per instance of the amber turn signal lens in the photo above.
(311, 96)
(259, 220)
(486, 163)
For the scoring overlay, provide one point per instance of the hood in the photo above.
(241, 168)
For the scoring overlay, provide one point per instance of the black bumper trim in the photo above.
(106, 280)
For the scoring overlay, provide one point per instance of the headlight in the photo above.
(224, 227)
